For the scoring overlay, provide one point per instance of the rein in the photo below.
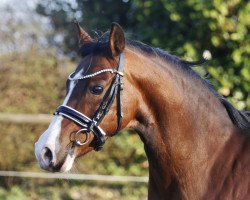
(93, 124)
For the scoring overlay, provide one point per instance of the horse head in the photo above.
(92, 108)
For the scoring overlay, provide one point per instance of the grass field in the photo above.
(72, 190)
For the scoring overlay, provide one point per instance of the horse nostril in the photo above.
(47, 155)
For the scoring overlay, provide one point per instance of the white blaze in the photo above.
(50, 138)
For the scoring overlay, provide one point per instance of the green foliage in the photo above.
(184, 28)
(30, 82)
(17, 146)
(62, 190)
(14, 194)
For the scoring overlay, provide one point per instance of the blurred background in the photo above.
(38, 49)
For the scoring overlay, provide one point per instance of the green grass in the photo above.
(73, 190)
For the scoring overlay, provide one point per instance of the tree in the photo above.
(20, 26)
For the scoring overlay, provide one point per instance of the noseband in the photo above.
(93, 124)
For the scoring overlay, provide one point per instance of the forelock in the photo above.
(99, 46)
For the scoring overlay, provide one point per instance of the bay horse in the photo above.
(196, 142)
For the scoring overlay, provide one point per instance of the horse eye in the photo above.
(97, 89)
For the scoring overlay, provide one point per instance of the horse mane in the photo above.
(240, 118)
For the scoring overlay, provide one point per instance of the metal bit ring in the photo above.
(81, 131)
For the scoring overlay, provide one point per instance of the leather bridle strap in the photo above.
(119, 112)
(73, 115)
(115, 90)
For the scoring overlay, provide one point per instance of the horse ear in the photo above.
(116, 39)
(83, 36)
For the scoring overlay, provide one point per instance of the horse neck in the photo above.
(182, 124)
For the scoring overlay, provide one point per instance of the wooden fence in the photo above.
(86, 177)
(26, 118)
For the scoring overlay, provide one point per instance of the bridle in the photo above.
(93, 124)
